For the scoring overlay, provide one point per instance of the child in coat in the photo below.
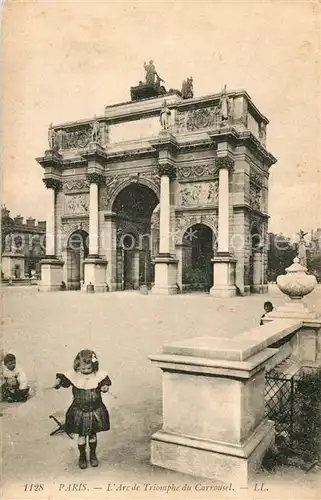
(87, 414)
(14, 388)
(268, 307)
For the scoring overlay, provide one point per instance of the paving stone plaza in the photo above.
(45, 331)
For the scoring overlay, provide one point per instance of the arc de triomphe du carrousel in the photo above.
(164, 190)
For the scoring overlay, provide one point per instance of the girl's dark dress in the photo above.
(87, 414)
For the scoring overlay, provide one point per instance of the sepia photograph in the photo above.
(160, 250)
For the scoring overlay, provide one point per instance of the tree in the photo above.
(280, 255)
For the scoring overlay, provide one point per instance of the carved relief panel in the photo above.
(197, 171)
(209, 117)
(79, 136)
(256, 184)
(198, 193)
(80, 184)
(77, 204)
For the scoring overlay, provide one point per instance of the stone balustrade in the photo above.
(214, 422)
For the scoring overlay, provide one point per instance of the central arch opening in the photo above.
(134, 207)
(197, 266)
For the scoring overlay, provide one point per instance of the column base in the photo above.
(260, 289)
(296, 309)
(210, 459)
(223, 291)
(165, 275)
(95, 273)
(51, 274)
(223, 275)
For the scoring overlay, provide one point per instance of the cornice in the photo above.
(51, 159)
(256, 148)
(74, 162)
(248, 208)
(131, 154)
(94, 152)
(213, 209)
(165, 141)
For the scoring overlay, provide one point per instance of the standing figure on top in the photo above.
(95, 132)
(187, 88)
(302, 251)
(165, 116)
(224, 106)
(51, 137)
(150, 72)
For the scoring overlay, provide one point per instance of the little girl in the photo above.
(87, 414)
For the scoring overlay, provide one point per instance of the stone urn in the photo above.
(296, 283)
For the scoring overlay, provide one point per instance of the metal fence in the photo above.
(283, 401)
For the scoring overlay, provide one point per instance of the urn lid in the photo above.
(296, 267)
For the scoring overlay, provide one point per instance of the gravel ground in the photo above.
(46, 331)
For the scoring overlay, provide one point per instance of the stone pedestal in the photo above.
(296, 309)
(223, 275)
(51, 275)
(165, 275)
(214, 421)
(95, 273)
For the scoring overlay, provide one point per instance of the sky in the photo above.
(67, 60)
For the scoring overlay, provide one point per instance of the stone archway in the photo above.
(133, 208)
(197, 253)
(77, 252)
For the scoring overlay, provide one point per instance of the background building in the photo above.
(22, 245)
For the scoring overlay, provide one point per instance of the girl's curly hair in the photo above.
(86, 356)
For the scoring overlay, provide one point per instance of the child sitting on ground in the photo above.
(15, 385)
(268, 307)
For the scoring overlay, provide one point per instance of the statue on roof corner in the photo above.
(95, 130)
(224, 106)
(52, 137)
(187, 88)
(165, 115)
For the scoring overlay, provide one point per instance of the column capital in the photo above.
(168, 169)
(96, 178)
(52, 183)
(224, 162)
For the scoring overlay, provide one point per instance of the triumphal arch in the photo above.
(167, 190)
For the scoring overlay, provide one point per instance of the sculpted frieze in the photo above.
(256, 179)
(77, 204)
(197, 171)
(199, 119)
(255, 197)
(74, 138)
(74, 185)
(198, 193)
(209, 117)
